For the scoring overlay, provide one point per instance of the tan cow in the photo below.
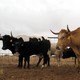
(69, 38)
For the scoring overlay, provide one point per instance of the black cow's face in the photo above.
(18, 45)
(6, 42)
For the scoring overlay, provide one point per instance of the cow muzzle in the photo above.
(4, 48)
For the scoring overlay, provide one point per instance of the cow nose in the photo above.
(4, 48)
(57, 47)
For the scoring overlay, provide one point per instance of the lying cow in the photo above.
(67, 53)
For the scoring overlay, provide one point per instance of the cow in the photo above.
(28, 48)
(69, 38)
(34, 39)
(67, 53)
(8, 43)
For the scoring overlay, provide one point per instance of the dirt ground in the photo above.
(10, 71)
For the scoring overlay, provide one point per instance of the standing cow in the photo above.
(26, 49)
(34, 39)
(69, 38)
(8, 43)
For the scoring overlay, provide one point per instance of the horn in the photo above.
(1, 37)
(68, 28)
(54, 32)
(11, 34)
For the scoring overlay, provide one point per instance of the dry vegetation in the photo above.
(10, 71)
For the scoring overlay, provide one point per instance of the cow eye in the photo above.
(63, 37)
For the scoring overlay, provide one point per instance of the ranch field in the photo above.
(10, 71)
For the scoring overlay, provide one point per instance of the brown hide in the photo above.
(66, 38)
(75, 37)
(71, 39)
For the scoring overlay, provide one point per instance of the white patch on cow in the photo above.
(42, 66)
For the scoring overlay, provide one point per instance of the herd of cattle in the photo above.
(43, 47)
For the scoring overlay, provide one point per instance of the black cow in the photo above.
(26, 49)
(69, 53)
(34, 39)
(8, 43)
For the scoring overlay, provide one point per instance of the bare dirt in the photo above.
(10, 71)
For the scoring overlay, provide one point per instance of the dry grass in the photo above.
(10, 71)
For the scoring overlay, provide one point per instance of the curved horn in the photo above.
(54, 32)
(68, 28)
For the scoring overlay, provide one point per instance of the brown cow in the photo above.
(69, 38)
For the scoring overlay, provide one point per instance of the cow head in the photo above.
(63, 39)
(18, 44)
(6, 42)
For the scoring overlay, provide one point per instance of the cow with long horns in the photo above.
(69, 38)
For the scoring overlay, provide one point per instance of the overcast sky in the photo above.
(36, 17)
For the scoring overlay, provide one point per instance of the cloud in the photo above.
(38, 16)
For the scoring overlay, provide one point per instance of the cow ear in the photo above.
(68, 29)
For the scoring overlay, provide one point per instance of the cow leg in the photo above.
(40, 58)
(58, 60)
(75, 60)
(78, 57)
(78, 67)
(48, 58)
(28, 61)
(44, 60)
(20, 62)
(25, 62)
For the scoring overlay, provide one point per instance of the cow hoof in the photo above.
(42, 66)
(45, 65)
(59, 64)
(19, 66)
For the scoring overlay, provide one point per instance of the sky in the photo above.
(37, 17)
